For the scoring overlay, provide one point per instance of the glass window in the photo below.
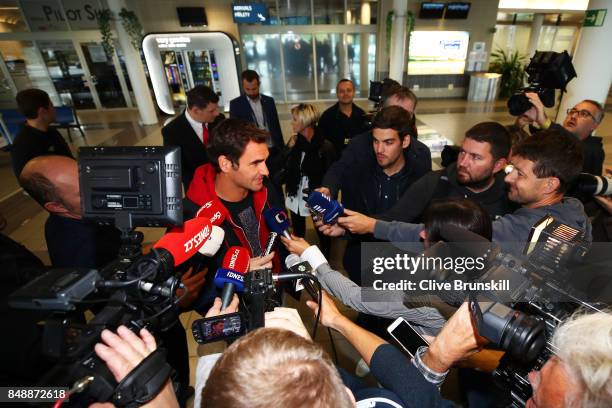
(328, 11)
(26, 67)
(293, 12)
(299, 71)
(11, 19)
(66, 73)
(262, 54)
(511, 38)
(361, 12)
(103, 75)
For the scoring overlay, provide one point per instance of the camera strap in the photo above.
(144, 382)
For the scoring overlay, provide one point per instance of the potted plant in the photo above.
(512, 70)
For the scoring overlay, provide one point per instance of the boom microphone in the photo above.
(183, 242)
(230, 276)
(325, 206)
(277, 221)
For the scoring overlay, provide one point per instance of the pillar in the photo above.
(397, 59)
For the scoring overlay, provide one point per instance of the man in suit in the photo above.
(191, 129)
(260, 110)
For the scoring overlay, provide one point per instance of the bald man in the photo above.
(53, 181)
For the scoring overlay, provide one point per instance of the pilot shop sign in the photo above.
(53, 15)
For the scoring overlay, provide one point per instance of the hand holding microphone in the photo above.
(230, 277)
(295, 245)
(324, 206)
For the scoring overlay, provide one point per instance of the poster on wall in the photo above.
(437, 52)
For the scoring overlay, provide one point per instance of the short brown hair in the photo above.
(493, 133)
(274, 368)
(400, 92)
(230, 138)
(554, 153)
(30, 100)
(396, 118)
(250, 75)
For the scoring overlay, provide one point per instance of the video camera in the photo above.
(127, 186)
(522, 318)
(547, 71)
(588, 185)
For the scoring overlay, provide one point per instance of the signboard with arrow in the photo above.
(594, 18)
(254, 13)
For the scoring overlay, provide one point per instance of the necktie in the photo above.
(204, 135)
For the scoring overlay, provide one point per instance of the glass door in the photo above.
(103, 76)
(67, 74)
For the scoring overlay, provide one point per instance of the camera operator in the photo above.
(581, 121)
(542, 169)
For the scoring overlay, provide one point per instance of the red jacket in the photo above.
(202, 190)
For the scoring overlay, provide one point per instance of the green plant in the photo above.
(104, 24)
(132, 26)
(511, 66)
(389, 25)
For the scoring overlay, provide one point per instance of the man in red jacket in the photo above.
(236, 178)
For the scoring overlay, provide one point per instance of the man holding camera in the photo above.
(581, 121)
(542, 169)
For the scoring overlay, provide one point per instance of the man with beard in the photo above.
(476, 175)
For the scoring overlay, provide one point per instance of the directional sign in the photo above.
(250, 13)
(594, 18)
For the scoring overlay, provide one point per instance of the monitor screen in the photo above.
(431, 10)
(139, 186)
(457, 10)
(192, 16)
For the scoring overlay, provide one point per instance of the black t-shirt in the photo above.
(244, 216)
(78, 243)
(31, 143)
(339, 128)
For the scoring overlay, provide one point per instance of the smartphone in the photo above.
(406, 336)
(223, 327)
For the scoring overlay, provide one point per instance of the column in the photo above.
(534, 35)
(135, 70)
(364, 45)
(397, 59)
(592, 63)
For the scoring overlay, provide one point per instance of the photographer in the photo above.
(581, 121)
(542, 169)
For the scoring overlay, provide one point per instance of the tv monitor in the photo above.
(457, 10)
(431, 10)
(192, 16)
(131, 186)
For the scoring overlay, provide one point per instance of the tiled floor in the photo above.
(450, 118)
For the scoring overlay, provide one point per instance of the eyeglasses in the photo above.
(583, 113)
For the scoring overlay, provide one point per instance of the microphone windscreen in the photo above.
(212, 211)
(237, 259)
(224, 276)
(324, 205)
(291, 260)
(276, 220)
(183, 242)
(214, 242)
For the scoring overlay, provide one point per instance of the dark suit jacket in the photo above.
(193, 154)
(241, 108)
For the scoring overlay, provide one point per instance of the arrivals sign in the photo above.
(250, 13)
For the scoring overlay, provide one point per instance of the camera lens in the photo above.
(588, 185)
(518, 104)
(523, 337)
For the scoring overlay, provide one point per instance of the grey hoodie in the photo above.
(511, 231)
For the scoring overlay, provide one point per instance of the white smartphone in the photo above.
(406, 336)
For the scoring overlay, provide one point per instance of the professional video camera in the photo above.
(127, 186)
(521, 318)
(546, 72)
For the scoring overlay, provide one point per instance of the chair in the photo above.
(66, 118)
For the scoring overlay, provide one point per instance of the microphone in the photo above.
(183, 242)
(212, 245)
(325, 206)
(213, 211)
(295, 264)
(277, 221)
(230, 277)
